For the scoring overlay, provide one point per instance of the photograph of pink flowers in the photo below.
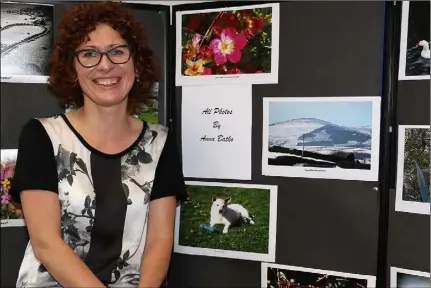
(235, 45)
(11, 216)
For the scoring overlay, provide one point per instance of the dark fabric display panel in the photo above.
(357, 217)
(21, 101)
(327, 49)
(409, 220)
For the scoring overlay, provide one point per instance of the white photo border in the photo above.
(321, 173)
(400, 204)
(5, 223)
(394, 274)
(235, 79)
(28, 79)
(403, 45)
(5, 155)
(269, 257)
(371, 280)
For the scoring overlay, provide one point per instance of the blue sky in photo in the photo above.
(406, 280)
(351, 114)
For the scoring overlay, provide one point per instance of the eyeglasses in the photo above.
(91, 57)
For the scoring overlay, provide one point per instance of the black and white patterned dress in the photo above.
(104, 198)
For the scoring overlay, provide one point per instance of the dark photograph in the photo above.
(415, 41)
(279, 276)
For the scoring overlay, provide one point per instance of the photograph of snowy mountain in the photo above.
(415, 41)
(321, 137)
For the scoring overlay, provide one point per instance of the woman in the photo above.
(98, 186)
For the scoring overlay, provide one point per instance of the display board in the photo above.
(303, 129)
(310, 125)
(24, 95)
(409, 218)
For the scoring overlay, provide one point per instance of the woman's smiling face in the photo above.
(105, 84)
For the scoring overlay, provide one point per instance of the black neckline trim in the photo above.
(94, 150)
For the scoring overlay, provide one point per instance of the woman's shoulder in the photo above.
(155, 134)
(37, 127)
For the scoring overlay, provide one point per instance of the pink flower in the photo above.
(4, 199)
(195, 40)
(227, 48)
(8, 173)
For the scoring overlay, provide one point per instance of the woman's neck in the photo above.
(104, 122)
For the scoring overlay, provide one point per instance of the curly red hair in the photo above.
(77, 22)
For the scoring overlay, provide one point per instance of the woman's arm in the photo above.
(158, 245)
(42, 215)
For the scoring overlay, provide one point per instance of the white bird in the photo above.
(425, 49)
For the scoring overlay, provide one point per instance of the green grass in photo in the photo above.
(150, 111)
(243, 237)
(151, 117)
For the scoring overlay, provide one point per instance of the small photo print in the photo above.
(413, 169)
(11, 216)
(284, 276)
(150, 111)
(405, 278)
(228, 220)
(415, 41)
(321, 137)
(228, 46)
(26, 41)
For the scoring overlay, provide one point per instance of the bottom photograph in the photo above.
(229, 220)
(284, 276)
(409, 278)
(11, 216)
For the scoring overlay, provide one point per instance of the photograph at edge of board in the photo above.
(226, 45)
(227, 220)
(150, 111)
(11, 215)
(406, 278)
(321, 137)
(26, 40)
(285, 276)
(415, 41)
(413, 169)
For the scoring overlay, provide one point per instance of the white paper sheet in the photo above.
(216, 132)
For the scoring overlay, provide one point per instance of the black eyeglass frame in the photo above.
(102, 53)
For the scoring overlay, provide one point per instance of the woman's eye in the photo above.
(117, 52)
(90, 54)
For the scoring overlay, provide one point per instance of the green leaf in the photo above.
(424, 189)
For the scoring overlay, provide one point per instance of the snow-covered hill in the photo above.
(317, 132)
